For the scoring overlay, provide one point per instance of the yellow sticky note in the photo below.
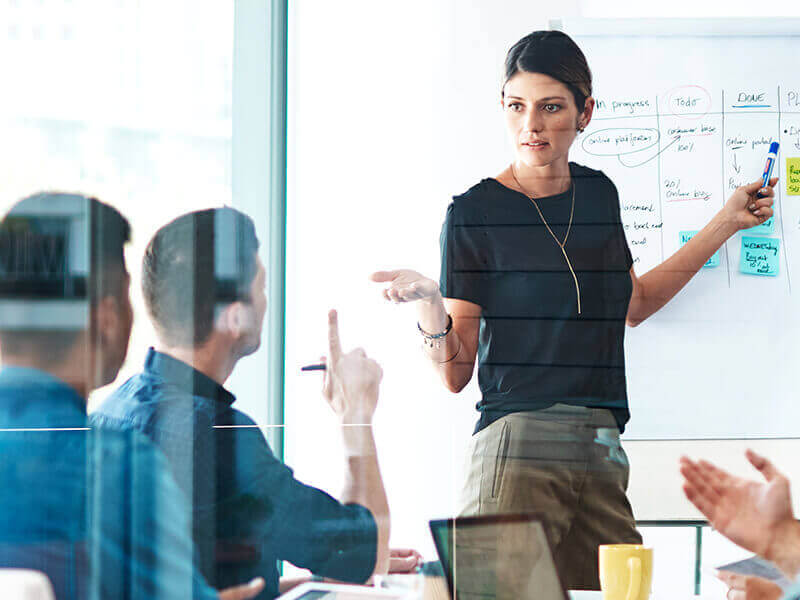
(793, 176)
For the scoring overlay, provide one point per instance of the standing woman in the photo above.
(537, 282)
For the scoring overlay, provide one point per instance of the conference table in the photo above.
(415, 582)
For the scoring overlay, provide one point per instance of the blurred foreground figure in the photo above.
(756, 515)
(96, 511)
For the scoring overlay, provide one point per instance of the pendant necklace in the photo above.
(560, 244)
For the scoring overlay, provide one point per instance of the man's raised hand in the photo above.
(351, 379)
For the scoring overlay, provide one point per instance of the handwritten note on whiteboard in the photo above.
(676, 154)
(793, 176)
(760, 256)
(694, 124)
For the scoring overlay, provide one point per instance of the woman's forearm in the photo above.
(454, 362)
(659, 285)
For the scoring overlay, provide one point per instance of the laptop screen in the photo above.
(497, 558)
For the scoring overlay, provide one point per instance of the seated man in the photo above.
(755, 515)
(98, 512)
(203, 285)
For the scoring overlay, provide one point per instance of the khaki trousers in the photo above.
(565, 463)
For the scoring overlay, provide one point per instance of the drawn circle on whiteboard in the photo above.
(690, 102)
(618, 141)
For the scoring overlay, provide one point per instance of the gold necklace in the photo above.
(553, 235)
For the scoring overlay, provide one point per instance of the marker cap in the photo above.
(773, 147)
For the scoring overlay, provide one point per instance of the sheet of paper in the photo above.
(760, 256)
(685, 236)
(758, 567)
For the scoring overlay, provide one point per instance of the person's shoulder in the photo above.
(477, 194)
(592, 177)
(582, 171)
(472, 203)
(230, 421)
(135, 390)
(479, 190)
(125, 398)
(238, 418)
(119, 444)
(131, 405)
(247, 434)
(598, 193)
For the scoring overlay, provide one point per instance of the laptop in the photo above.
(497, 557)
(338, 591)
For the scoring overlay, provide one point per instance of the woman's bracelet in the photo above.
(434, 340)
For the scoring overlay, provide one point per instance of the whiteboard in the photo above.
(686, 110)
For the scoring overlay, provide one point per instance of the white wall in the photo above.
(687, 8)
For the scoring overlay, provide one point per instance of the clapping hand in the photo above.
(751, 514)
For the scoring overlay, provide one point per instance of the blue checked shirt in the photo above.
(248, 509)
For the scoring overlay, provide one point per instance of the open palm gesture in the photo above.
(749, 513)
(405, 285)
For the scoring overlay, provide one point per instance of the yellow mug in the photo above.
(626, 571)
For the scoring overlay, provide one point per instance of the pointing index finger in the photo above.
(334, 345)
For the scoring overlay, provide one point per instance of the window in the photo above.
(140, 118)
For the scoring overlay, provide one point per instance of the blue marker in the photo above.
(772, 158)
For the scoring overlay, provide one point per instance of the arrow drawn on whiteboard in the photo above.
(624, 164)
(736, 167)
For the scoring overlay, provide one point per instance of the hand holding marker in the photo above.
(772, 158)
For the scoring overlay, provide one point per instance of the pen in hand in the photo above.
(772, 157)
(314, 367)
